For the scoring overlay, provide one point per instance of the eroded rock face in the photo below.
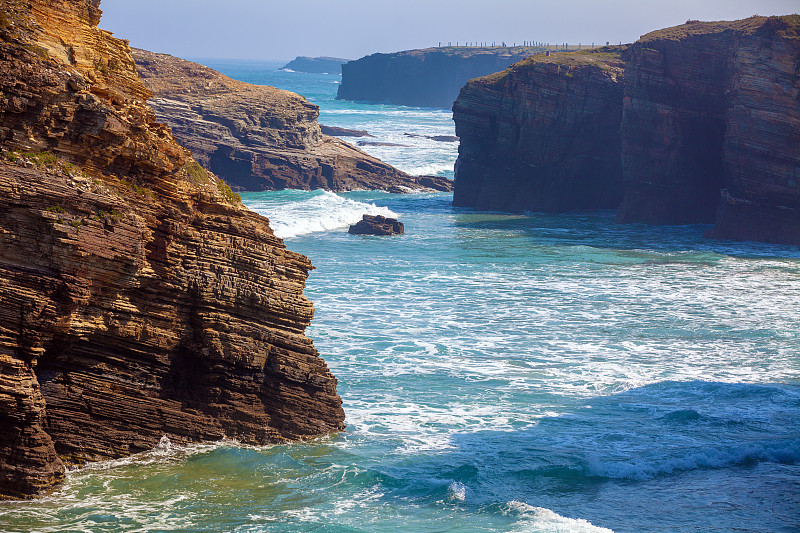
(708, 131)
(138, 297)
(429, 77)
(711, 107)
(258, 137)
(542, 135)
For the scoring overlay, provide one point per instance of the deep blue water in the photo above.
(525, 373)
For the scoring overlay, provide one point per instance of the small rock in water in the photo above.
(377, 225)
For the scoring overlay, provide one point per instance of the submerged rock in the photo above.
(377, 225)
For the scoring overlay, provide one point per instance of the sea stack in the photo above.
(138, 297)
(704, 131)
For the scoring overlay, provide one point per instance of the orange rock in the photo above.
(138, 297)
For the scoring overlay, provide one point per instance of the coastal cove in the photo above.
(521, 373)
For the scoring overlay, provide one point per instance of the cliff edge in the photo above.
(704, 129)
(543, 135)
(138, 297)
(258, 137)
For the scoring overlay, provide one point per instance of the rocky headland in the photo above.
(429, 77)
(318, 65)
(702, 130)
(543, 135)
(138, 297)
(258, 137)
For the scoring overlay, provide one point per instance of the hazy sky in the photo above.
(269, 29)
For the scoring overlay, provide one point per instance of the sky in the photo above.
(281, 30)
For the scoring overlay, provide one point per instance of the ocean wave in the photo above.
(431, 169)
(542, 520)
(285, 70)
(785, 452)
(320, 211)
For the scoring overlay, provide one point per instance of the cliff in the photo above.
(710, 128)
(257, 137)
(429, 77)
(138, 297)
(543, 135)
(708, 121)
(319, 65)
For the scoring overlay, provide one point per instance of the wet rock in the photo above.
(343, 132)
(377, 225)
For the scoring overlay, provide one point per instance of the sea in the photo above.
(500, 373)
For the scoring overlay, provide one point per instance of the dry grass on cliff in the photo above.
(606, 58)
(785, 26)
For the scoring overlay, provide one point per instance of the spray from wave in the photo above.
(315, 211)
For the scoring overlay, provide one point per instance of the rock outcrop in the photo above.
(543, 135)
(138, 297)
(336, 131)
(710, 128)
(318, 65)
(429, 77)
(708, 131)
(257, 137)
(377, 225)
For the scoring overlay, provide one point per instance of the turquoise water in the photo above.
(520, 373)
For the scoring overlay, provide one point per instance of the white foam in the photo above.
(457, 491)
(428, 170)
(542, 520)
(322, 211)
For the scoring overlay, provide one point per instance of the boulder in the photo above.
(377, 225)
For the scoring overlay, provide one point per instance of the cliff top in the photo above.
(784, 26)
(171, 76)
(467, 52)
(607, 58)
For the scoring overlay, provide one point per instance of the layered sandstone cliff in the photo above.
(138, 297)
(708, 128)
(543, 135)
(429, 77)
(258, 137)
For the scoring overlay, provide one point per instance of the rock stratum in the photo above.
(318, 65)
(429, 77)
(542, 135)
(258, 137)
(138, 297)
(704, 129)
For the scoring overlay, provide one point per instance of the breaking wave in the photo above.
(313, 211)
